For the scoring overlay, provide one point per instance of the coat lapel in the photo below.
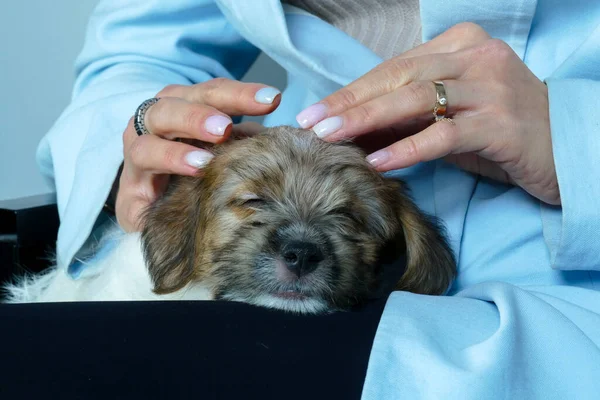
(508, 20)
(323, 56)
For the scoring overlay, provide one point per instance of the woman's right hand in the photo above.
(198, 112)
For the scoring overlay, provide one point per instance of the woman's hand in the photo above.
(191, 113)
(500, 124)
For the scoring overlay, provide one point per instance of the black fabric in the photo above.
(173, 350)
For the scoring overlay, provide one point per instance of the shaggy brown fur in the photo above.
(230, 227)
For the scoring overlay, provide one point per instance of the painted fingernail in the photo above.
(217, 124)
(327, 126)
(266, 95)
(198, 159)
(378, 158)
(311, 115)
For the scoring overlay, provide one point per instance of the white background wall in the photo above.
(39, 40)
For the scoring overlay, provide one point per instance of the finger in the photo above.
(130, 136)
(173, 117)
(382, 138)
(437, 141)
(390, 76)
(229, 96)
(238, 131)
(404, 106)
(154, 155)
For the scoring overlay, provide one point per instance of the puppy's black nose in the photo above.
(301, 257)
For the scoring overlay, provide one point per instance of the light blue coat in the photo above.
(523, 320)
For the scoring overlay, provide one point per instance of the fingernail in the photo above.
(327, 126)
(198, 159)
(311, 115)
(378, 158)
(217, 124)
(266, 95)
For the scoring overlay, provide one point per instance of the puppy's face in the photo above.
(281, 220)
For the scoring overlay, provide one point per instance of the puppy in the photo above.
(281, 220)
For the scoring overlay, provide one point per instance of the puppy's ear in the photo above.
(431, 266)
(169, 235)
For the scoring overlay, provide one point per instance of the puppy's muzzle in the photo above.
(301, 257)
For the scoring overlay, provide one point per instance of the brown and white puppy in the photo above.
(281, 220)
(286, 220)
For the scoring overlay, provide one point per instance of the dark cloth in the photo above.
(173, 350)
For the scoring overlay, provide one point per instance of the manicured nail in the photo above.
(266, 95)
(327, 126)
(217, 124)
(378, 158)
(198, 159)
(311, 115)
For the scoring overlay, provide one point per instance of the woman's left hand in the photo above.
(499, 124)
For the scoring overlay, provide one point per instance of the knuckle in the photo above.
(411, 150)
(398, 70)
(401, 63)
(469, 30)
(418, 91)
(344, 97)
(192, 119)
(498, 50)
(365, 114)
(170, 158)
(447, 133)
(212, 86)
(136, 151)
(218, 82)
(169, 91)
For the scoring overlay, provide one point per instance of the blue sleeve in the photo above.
(572, 231)
(490, 341)
(187, 38)
(132, 49)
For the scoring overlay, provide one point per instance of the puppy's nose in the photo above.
(301, 257)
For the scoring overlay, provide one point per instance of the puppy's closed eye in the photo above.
(347, 212)
(250, 200)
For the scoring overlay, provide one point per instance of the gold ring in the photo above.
(441, 101)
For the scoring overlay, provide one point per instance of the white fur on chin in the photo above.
(120, 276)
(307, 306)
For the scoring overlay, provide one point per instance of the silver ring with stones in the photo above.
(138, 120)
